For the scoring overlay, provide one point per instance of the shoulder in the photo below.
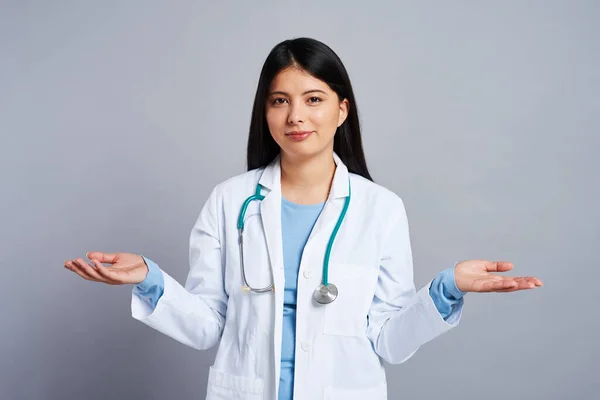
(241, 183)
(376, 205)
(369, 193)
(227, 195)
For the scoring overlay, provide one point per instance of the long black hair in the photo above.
(320, 61)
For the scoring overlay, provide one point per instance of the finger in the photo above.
(92, 271)
(69, 265)
(516, 288)
(532, 279)
(76, 268)
(110, 274)
(526, 282)
(81, 271)
(498, 266)
(519, 283)
(504, 284)
(491, 283)
(108, 258)
(518, 279)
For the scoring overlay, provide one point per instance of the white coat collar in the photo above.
(271, 177)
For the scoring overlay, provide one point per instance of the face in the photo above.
(303, 113)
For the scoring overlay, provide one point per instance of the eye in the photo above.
(314, 100)
(278, 101)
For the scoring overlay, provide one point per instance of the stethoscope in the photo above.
(326, 292)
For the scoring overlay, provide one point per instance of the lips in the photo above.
(298, 135)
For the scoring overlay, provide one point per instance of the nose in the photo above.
(294, 115)
(295, 120)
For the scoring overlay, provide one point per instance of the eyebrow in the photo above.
(305, 93)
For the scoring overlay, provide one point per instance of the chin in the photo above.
(302, 151)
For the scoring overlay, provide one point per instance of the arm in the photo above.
(195, 314)
(401, 319)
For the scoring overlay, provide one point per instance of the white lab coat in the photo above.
(340, 346)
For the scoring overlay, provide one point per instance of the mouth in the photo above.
(298, 135)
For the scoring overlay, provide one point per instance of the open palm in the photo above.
(479, 276)
(125, 268)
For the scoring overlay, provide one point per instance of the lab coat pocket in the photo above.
(347, 315)
(222, 386)
(378, 392)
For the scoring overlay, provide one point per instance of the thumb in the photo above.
(109, 258)
(499, 266)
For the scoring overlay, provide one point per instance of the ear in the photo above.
(343, 114)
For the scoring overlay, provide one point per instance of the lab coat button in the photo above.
(305, 346)
(308, 274)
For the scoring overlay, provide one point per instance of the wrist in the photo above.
(153, 275)
(143, 264)
(452, 285)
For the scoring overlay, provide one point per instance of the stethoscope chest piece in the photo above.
(326, 294)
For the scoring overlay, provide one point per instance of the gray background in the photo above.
(117, 118)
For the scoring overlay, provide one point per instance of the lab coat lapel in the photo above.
(270, 212)
(335, 202)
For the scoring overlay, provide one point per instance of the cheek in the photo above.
(276, 118)
(277, 122)
(327, 119)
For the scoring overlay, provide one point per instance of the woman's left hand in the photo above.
(477, 276)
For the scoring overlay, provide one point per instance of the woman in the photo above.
(324, 291)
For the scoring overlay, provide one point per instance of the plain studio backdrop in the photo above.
(118, 118)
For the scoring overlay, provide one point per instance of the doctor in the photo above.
(300, 268)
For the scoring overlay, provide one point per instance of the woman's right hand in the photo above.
(125, 268)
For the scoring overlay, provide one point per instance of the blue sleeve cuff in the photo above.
(152, 288)
(153, 278)
(449, 285)
(444, 293)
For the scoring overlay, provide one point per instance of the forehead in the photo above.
(294, 80)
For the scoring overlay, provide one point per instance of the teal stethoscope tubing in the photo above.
(240, 226)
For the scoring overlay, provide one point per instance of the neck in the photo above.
(307, 181)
